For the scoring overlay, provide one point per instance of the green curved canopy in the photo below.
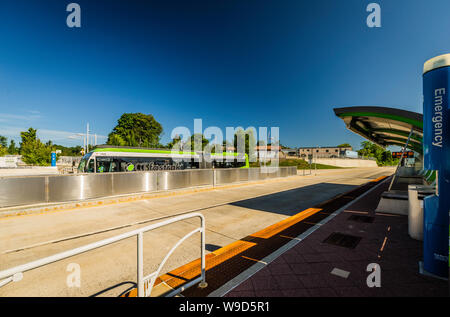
(384, 126)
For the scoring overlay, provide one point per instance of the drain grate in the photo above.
(342, 240)
(361, 218)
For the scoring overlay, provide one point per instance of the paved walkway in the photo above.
(306, 269)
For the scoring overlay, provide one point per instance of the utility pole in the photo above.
(84, 144)
(87, 138)
(315, 164)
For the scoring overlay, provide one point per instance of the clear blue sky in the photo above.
(231, 63)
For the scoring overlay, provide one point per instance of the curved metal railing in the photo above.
(15, 274)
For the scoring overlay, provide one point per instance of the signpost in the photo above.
(310, 158)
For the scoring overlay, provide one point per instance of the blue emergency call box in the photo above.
(436, 151)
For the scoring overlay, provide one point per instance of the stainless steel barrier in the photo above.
(226, 176)
(20, 191)
(140, 182)
(201, 177)
(79, 187)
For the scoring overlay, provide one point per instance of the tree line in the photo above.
(382, 156)
(33, 150)
(132, 129)
(142, 130)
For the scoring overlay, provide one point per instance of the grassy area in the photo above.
(301, 164)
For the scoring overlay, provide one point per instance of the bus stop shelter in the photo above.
(385, 126)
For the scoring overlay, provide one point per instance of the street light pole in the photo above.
(87, 138)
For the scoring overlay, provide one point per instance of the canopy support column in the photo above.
(401, 159)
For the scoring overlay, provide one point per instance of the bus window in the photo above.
(100, 167)
(90, 166)
(82, 165)
(103, 164)
(113, 167)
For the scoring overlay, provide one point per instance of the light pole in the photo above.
(87, 137)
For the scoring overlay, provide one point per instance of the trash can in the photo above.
(416, 194)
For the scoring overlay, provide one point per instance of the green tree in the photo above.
(69, 151)
(248, 138)
(115, 139)
(136, 129)
(13, 149)
(175, 140)
(33, 151)
(344, 145)
(382, 156)
(199, 139)
(3, 141)
(3, 144)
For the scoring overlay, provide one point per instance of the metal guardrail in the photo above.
(28, 190)
(15, 274)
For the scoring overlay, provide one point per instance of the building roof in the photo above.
(384, 126)
(267, 147)
(324, 147)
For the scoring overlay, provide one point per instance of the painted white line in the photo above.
(233, 283)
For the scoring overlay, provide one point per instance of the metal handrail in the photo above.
(15, 274)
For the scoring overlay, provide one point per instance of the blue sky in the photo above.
(231, 63)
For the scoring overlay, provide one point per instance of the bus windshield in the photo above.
(82, 165)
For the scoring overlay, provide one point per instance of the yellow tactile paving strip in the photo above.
(191, 270)
(283, 224)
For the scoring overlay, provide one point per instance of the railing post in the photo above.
(140, 264)
(203, 283)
